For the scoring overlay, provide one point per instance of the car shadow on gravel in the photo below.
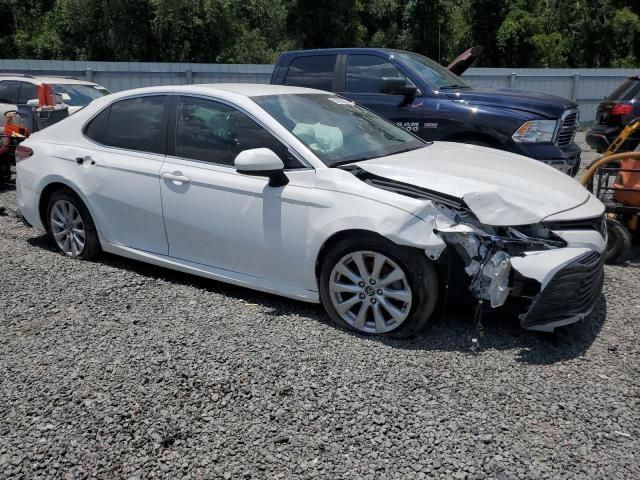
(277, 305)
(452, 331)
(456, 332)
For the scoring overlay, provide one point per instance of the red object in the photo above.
(465, 60)
(621, 109)
(22, 153)
(630, 181)
(46, 96)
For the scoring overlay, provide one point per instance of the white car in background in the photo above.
(304, 194)
(18, 89)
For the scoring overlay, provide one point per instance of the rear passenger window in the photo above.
(9, 90)
(28, 91)
(312, 71)
(364, 73)
(217, 133)
(136, 124)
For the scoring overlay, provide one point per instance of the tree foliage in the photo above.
(514, 33)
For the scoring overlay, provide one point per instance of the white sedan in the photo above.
(304, 194)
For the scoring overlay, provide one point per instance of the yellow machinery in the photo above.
(615, 179)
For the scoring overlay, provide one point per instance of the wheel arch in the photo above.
(49, 189)
(339, 236)
(465, 137)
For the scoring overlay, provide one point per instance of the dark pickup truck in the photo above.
(429, 100)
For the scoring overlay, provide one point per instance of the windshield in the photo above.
(77, 95)
(438, 77)
(336, 130)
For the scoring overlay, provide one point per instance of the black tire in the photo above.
(619, 242)
(420, 273)
(92, 243)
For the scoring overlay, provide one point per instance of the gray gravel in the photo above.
(115, 369)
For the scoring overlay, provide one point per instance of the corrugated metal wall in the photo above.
(586, 86)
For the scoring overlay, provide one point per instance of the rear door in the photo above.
(360, 81)
(119, 172)
(312, 71)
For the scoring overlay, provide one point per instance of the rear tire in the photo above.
(71, 226)
(619, 242)
(371, 302)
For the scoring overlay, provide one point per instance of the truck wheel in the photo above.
(375, 287)
(619, 242)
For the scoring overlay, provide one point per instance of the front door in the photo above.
(217, 217)
(363, 73)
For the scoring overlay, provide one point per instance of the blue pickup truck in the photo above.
(431, 101)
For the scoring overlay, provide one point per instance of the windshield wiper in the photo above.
(346, 162)
(405, 150)
(454, 85)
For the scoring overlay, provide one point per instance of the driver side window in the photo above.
(364, 73)
(214, 132)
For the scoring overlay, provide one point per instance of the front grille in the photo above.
(567, 128)
(598, 224)
(571, 292)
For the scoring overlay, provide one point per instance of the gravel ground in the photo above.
(115, 369)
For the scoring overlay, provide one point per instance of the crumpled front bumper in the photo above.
(570, 280)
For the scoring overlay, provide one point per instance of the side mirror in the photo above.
(262, 162)
(33, 102)
(397, 86)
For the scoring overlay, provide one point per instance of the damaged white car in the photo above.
(301, 193)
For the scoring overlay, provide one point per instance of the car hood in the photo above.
(500, 188)
(545, 105)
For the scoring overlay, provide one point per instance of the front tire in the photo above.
(618, 243)
(375, 287)
(71, 226)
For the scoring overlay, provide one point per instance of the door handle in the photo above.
(87, 158)
(176, 177)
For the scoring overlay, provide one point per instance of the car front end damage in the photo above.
(553, 281)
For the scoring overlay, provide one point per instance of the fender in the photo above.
(55, 178)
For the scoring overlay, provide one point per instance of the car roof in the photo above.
(65, 80)
(342, 50)
(243, 89)
(43, 79)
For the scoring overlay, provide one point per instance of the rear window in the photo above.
(313, 71)
(629, 90)
(28, 91)
(133, 124)
(9, 90)
(78, 95)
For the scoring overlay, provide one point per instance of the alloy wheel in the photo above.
(67, 228)
(370, 292)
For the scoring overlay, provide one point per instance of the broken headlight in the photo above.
(486, 250)
(492, 283)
